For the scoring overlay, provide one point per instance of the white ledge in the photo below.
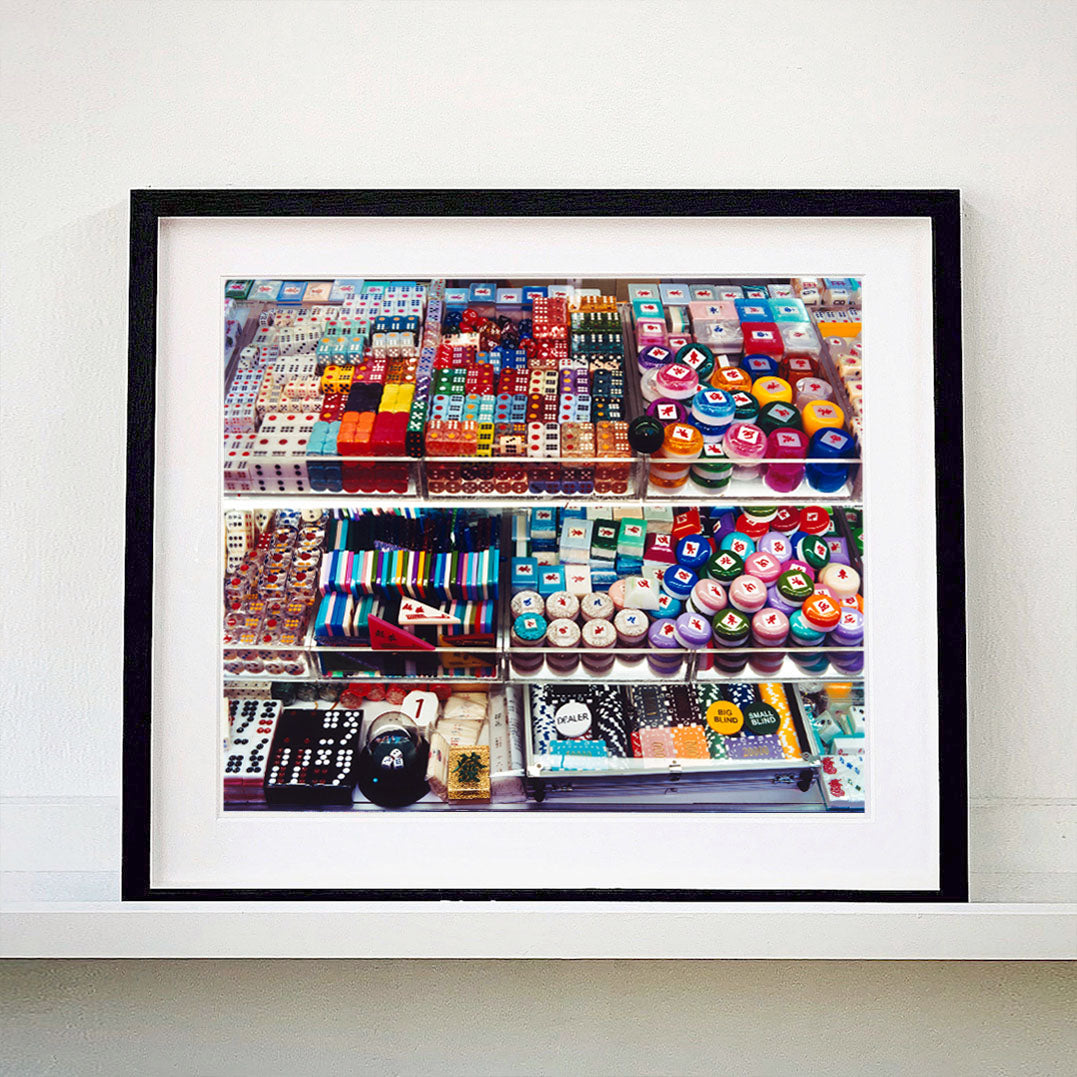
(809, 931)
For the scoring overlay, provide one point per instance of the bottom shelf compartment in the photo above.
(745, 746)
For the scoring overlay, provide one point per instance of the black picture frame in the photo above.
(148, 207)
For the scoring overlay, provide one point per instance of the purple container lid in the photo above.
(662, 633)
(775, 599)
(777, 545)
(850, 629)
(654, 356)
(726, 523)
(692, 630)
(839, 551)
(667, 411)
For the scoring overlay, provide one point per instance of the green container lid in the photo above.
(794, 586)
(725, 566)
(730, 626)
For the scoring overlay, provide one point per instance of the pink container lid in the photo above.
(770, 627)
(678, 381)
(763, 566)
(748, 594)
(745, 441)
(708, 596)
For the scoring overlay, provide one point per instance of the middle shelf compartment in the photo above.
(621, 593)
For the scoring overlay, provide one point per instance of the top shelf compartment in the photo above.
(579, 391)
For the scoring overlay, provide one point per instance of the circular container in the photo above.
(770, 627)
(747, 406)
(631, 627)
(794, 586)
(528, 630)
(787, 521)
(708, 597)
(763, 514)
(772, 389)
(699, 357)
(744, 443)
(849, 631)
(678, 581)
(739, 543)
(667, 411)
(804, 567)
(648, 386)
(694, 551)
(596, 607)
(814, 520)
(786, 444)
(730, 628)
(653, 357)
(599, 638)
(680, 446)
(645, 434)
(777, 416)
(617, 594)
(814, 551)
(821, 415)
(730, 378)
(714, 411)
(562, 604)
(692, 630)
(564, 635)
(712, 470)
(809, 389)
(752, 526)
(527, 602)
(776, 600)
(763, 566)
(821, 612)
(843, 580)
(678, 381)
(777, 545)
(748, 594)
(725, 566)
(668, 606)
(834, 445)
(662, 637)
(766, 663)
(802, 633)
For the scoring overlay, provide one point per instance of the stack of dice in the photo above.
(270, 593)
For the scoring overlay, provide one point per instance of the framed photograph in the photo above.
(545, 545)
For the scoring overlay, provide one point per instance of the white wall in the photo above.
(99, 98)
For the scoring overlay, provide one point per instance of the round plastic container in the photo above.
(670, 466)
